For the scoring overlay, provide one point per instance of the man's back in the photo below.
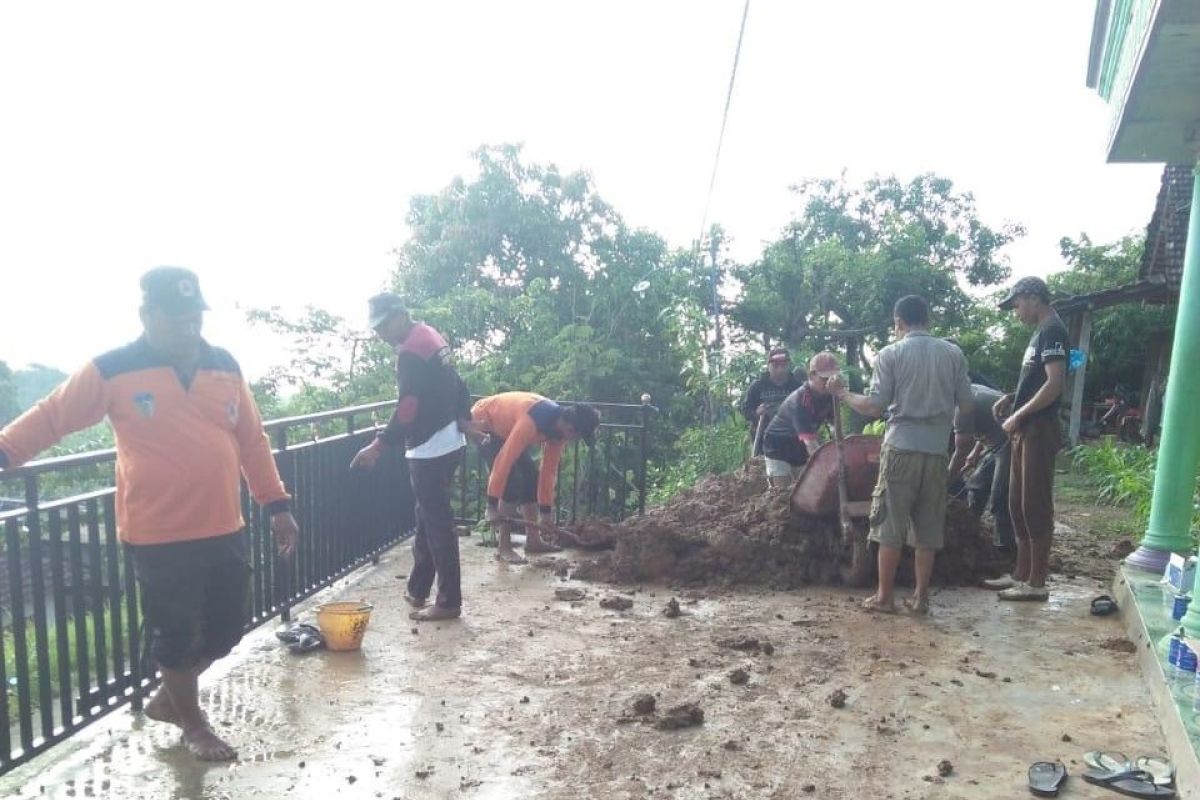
(921, 380)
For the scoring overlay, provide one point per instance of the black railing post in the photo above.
(283, 569)
(645, 455)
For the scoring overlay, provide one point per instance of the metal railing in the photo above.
(71, 644)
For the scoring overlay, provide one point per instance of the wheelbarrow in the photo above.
(816, 494)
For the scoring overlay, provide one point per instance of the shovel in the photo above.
(843, 499)
(758, 434)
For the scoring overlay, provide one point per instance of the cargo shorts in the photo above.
(908, 505)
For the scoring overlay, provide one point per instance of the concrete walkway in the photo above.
(528, 696)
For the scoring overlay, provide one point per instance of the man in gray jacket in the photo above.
(920, 380)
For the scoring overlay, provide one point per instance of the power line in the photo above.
(712, 181)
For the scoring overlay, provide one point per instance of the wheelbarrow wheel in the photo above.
(861, 571)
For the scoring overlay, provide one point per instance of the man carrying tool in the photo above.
(1033, 429)
(510, 424)
(979, 465)
(920, 379)
(431, 414)
(767, 393)
(791, 436)
(187, 430)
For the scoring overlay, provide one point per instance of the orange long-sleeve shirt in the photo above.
(522, 419)
(181, 451)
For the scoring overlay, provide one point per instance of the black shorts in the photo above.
(785, 448)
(521, 487)
(194, 597)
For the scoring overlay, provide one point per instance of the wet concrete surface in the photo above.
(528, 696)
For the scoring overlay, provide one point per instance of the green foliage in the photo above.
(35, 382)
(1123, 475)
(12, 668)
(539, 284)
(8, 395)
(853, 251)
(1120, 334)
(875, 428)
(701, 451)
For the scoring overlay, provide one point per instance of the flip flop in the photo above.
(1104, 605)
(307, 642)
(292, 633)
(1131, 783)
(1107, 761)
(1047, 777)
(1161, 770)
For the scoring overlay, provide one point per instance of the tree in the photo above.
(8, 395)
(853, 251)
(540, 284)
(1120, 334)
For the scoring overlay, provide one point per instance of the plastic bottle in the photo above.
(1179, 606)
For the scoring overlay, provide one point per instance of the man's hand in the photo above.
(1012, 424)
(761, 410)
(286, 532)
(1002, 406)
(970, 463)
(836, 386)
(366, 458)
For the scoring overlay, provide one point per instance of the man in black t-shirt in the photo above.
(792, 435)
(766, 393)
(1033, 429)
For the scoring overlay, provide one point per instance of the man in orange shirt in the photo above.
(187, 429)
(513, 423)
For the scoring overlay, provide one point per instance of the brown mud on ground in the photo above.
(728, 531)
(532, 698)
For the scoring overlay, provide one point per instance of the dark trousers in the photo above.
(1031, 490)
(987, 489)
(435, 548)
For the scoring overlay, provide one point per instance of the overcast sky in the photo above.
(273, 146)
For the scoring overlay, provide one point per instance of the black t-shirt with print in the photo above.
(1048, 344)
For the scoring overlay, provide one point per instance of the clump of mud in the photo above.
(727, 530)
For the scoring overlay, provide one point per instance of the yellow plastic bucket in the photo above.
(343, 624)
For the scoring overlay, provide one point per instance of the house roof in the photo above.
(1166, 235)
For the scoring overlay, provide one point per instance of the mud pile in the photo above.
(726, 531)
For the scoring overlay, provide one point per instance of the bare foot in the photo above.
(435, 613)
(509, 556)
(160, 708)
(538, 546)
(207, 746)
(415, 602)
(873, 603)
(918, 606)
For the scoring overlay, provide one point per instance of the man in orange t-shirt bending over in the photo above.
(187, 430)
(512, 423)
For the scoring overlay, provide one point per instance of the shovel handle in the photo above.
(843, 499)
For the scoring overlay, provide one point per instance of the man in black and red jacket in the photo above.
(432, 408)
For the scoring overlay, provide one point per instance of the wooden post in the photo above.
(1077, 381)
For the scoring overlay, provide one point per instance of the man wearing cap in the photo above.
(1036, 437)
(187, 429)
(921, 380)
(766, 393)
(510, 424)
(791, 437)
(431, 414)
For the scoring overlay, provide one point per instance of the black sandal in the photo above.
(1047, 777)
(1131, 783)
(292, 633)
